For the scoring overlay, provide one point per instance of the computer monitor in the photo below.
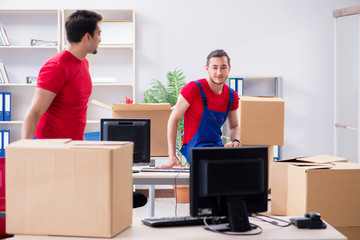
(231, 182)
(134, 130)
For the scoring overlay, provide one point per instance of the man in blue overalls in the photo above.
(206, 104)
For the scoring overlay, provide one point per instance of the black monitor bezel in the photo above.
(148, 130)
(196, 200)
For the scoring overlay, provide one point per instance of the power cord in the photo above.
(175, 192)
(274, 220)
(213, 229)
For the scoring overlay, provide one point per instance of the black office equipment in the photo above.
(230, 182)
(180, 221)
(134, 130)
(153, 169)
(311, 220)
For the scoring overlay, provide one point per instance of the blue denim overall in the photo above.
(209, 131)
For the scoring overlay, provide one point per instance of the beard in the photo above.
(216, 83)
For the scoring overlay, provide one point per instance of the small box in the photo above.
(68, 188)
(331, 188)
(158, 113)
(261, 120)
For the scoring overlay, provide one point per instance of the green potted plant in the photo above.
(159, 93)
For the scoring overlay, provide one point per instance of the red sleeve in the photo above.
(190, 91)
(51, 77)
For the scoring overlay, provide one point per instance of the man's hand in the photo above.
(172, 162)
(233, 144)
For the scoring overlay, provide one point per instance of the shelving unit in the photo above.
(22, 60)
(113, 65)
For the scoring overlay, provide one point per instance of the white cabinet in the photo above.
(347, 78)
(112, 69)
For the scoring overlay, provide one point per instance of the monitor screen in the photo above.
(134, 130)
(231, 182)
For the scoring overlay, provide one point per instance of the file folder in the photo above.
(7, 106)
(2, 150)
(6, 140)
(1, 106)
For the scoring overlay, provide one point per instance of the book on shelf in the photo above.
(4, 40)
(3, 74)
(5, 106)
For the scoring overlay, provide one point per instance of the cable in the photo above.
(254, 226)
(175, 192)
(272, 222)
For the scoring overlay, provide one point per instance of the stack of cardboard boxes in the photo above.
(261, 123)
(325, 184)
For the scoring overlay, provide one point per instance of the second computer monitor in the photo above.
(134, 130)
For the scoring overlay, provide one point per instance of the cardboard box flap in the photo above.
(312, 166)
(322, 158)
(142, 107)
(38, 143)
(97, 144)
(261, 98)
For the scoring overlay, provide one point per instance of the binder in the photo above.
(240, 86)
(2, 150)
(7, 106)
(6, 140)
(6, 39)
(1, 106)
(276, 153)
(3, 73)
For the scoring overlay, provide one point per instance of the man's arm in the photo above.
(234, 129)
(177, 113)
(39, 104)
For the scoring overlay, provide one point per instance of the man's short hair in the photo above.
(81, 22)
(217, 53)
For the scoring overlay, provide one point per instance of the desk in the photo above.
(158, 178)
(140, 231)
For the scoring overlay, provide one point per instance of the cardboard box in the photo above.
(352, 233)
(332, 189)
(279, 179)
(158, 113)
(261, 120)
(71, 188)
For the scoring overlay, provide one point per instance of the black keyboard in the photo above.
(152, 169)
(179, 221)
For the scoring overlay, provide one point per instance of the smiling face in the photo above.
(218, 69)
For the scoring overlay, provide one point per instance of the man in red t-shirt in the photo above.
(58, 108)
(205, 104)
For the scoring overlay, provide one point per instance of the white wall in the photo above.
(290, 38)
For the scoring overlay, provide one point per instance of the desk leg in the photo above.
(152, 200)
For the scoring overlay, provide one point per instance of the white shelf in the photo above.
(113, 61)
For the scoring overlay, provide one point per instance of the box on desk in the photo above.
(261, 120)
(159, 115)
(324, 184)
(69, 188)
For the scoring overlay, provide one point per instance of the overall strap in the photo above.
(202, 94)
(231, 102)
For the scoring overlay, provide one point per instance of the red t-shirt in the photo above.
(216, 102)
(69, 78)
